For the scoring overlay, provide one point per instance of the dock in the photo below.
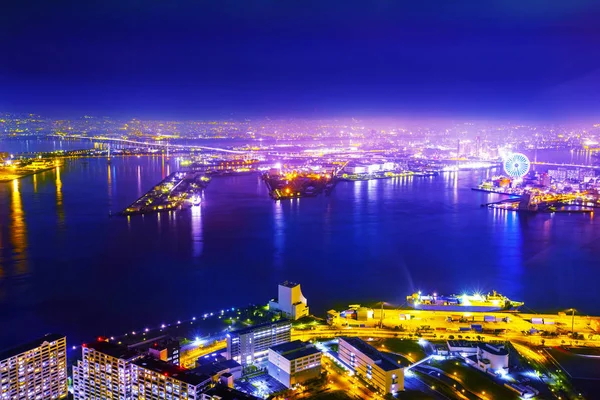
(10, 173)
(295, 185)
(386, 175)
(177, 191)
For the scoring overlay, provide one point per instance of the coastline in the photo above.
(26, 174)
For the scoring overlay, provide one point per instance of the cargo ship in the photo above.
(477, 302)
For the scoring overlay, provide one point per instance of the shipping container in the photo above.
(548, 321)
(489, 318)
(537, 320)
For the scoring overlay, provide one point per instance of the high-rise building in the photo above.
(251, 345)
(104, 372)
(35, 370)
(290, 301)
(153, 379)
(294, 362)
(370, 364)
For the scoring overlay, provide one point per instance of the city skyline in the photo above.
(324, 200)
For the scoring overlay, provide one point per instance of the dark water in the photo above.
(66, 266)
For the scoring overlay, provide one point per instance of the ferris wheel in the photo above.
(516, 165)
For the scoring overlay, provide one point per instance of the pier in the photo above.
(177, 191)
(296, 184)
(18, 171)
(387, 175)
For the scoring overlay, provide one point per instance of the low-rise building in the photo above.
(371, 364)
(35, 370)
(461, 347)
(251, 345)
(294, 362)
(490, 358)
(166, 350)
(216, 368)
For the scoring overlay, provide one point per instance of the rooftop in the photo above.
(294, 350)
(214, 368)
(112, 349)
(260, 326)
(371, 352)
(462, 343)
(170, 370)
(498, 350)
(289, 284)
(15, 351)
(222, 392)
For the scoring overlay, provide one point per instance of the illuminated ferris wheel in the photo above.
(516, 165)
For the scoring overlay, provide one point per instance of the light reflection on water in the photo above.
(382, 239)
(18, 232)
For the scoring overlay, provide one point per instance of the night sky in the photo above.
(199, 59)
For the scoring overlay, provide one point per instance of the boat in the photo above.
(196, 200)
(476, 302)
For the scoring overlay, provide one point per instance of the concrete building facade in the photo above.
(166, 350)
(290, 301)
(251, 345)
(294, 362)
(153, 379)
(368, 363)
(104, 372)
(35, 370)
(490, 358)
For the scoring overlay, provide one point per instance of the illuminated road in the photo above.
(437, 325)
(188, 357)
(349, 384)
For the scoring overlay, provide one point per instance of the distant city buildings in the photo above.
(371, 365)
(35, 370)
(294, 362)
(251, 345)
(290, 301)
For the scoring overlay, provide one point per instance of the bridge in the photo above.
(148, 144)
(565, 165)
